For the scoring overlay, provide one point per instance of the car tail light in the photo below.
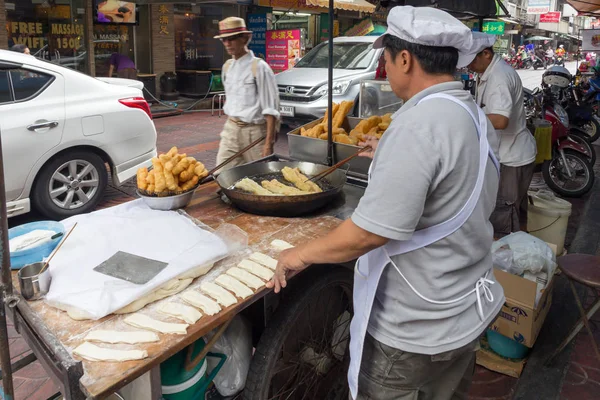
(137, 102)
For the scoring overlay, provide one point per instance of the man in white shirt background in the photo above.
(252, 97)
(500, 94)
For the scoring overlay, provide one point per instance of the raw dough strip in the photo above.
(264, 259)
(91, 352)
(209, 306)
(256, 269)
(181, 311)
(245, 277)
(145, 322)
(237, 287)
(280, 245)
(221, 295)
(113, 337)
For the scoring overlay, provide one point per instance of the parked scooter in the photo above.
(569, 172)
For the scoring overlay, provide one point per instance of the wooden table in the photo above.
(53, 335)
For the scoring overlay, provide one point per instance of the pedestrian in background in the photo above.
(252, 97)
(122, 64)
(20, 48)
(500, 94)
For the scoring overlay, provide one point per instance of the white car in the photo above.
(60, 129)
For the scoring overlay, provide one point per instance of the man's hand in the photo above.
(370, 141)
(289, 260)
(267, 150)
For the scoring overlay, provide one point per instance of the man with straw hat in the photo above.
(424, 287)
(500, 94)
(252, 97)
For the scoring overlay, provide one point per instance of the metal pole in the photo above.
(5, 289)
(330, 89)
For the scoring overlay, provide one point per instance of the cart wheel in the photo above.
(303, 353)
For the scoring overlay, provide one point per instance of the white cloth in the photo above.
(249, 99)
(370, 266)
(429, 27)
(134, 228)
(500, 91)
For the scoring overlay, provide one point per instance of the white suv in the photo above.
(60, 129)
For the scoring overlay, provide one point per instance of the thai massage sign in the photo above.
(283, 49)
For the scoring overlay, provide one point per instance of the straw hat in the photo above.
(232, 26)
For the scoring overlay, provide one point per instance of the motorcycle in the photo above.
(559, 60)
(588, 91)
(569, 172)
(537, 62)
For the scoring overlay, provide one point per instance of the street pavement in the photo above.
(576, 377)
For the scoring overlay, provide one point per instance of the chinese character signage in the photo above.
(538, 6)
(283, 49)
(551, 17)
(257, 23)
(493, 27)
(163, 19)
(363, 28)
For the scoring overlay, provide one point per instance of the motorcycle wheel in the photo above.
(591, 129)
(583, 140)
(557, 179)
(535, 67)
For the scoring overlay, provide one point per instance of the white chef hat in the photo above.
(481, 41)
(429, 27)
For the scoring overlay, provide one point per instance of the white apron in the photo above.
(370, 266)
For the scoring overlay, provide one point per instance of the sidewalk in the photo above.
(576, 375)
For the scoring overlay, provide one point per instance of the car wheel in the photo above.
(72, 183)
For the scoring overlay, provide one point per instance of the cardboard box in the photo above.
(495, 362)
(519, 318)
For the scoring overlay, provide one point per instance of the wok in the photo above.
(280, 206)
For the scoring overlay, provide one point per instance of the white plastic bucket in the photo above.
(547, 218)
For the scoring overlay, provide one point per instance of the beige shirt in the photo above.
(500, 91)
(250, 98)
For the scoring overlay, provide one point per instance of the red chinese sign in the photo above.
(283, 49)
(551, 17)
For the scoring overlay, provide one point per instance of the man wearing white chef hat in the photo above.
(500, 94)
(424, 289)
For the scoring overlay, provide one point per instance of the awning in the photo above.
(510, 21)
(349, 5)
(590, 7)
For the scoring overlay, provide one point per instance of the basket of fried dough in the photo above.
(171, 181)
(372, 126)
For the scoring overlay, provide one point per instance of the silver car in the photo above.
(303, 89)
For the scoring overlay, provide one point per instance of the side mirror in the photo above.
(536, 91)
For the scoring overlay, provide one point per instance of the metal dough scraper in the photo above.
(131, 268)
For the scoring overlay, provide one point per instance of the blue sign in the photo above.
(257, 23)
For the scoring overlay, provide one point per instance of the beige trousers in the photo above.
(234, 138)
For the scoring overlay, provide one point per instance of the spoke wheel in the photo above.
(73, 184)
(303, 353)
(557, 178)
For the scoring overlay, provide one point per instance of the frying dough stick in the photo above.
(256, 269)
(280, 245)
(237, 287)
(92, 352)
(279, 188)
(221, 295)
(145, 322)
(299, 180)
(181, 311)
(245, 277)
(264, 260)
(249, 185)
(209, 306)
(121, 337)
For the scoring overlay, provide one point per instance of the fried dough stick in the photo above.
(277, 187)
(299, 180)
(249, 185)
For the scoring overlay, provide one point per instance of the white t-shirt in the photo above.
(500, 91)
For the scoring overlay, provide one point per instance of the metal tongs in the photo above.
(329, 170)
(236, 155)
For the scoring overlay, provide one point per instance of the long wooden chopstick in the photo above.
(56, 251)
(236, 155)
(337, 165)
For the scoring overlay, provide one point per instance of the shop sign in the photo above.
(283, 49)
(538, 6)
(296, 5)
(551, 17)
(163, 19)
(257, 23)
(493, 27)
(363, 28)
(324, 23)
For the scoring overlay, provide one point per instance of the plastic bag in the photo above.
(236, 344)
(520, 252)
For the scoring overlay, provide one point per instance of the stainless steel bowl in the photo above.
(34, 285)
(168, 202)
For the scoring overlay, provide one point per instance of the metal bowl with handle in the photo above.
(280, 206)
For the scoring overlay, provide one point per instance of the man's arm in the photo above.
(110, 70)
(499, 103)
(268, 97)
(499, 122)
(345, 243)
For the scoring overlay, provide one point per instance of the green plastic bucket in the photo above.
(179, 384)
